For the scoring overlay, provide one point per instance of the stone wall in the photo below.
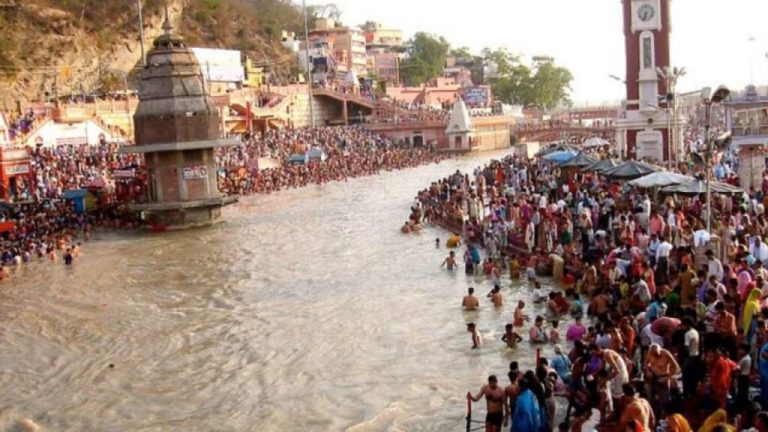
(324, 111)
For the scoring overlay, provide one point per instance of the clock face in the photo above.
(646, 12)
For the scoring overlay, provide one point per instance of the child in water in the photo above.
(510, 337)
(476, 340)
(554, 334)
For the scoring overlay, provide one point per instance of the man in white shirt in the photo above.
(692, 365)
(714, 266)
(648, 337)
(662, 260)
(643, 292)
(759, 250)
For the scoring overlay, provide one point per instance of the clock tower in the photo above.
(643, 130)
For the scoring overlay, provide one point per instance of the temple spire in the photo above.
(167, 23)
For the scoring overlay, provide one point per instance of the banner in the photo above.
(195, 172)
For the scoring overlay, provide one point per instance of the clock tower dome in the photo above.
(643, 131)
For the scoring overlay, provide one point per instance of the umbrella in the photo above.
(555, 148)
(660, 179)
(560, 156)
(594, 142)
(698, 186)
(602, 165)
(581, 160)
(631, 170)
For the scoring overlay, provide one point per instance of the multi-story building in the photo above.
(747, 120)
(346, 46)
(382, 47)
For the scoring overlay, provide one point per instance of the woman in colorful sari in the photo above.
(718, 418)
(751, 308)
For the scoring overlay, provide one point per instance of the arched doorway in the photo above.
(418, 141)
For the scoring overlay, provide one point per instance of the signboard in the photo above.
(195, 172)
(650, 145)
(13, 154)
(220, 65)
(16, 169)
(476, 95)
(123, 173)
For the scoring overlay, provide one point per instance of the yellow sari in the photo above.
(718, 418)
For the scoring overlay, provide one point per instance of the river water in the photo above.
(306, 310)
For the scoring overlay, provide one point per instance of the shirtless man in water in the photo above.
(496, 297)
(470, 302)
(496, 400)
(450, 261)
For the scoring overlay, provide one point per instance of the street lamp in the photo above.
(720, 95)
(615, 78)
(670, 75)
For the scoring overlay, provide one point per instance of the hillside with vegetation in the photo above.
(90, 45)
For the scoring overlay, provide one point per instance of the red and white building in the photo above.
(642, 129)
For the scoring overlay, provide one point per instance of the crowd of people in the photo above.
(324, 154)
(677, 336)
(43, 223)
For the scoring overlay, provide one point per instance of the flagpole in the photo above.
(309, 68)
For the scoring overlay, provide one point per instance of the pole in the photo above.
(708, 167)
(141, 35)
(309, 68)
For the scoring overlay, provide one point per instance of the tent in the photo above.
(297, 158)
(555, 148)
(594, 142)
(602, 166)
(631, 170)
(581, 160)
(317, 154)
(560, 156)
(660, 179)
(698, 186)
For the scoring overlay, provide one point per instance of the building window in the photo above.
(646, 50)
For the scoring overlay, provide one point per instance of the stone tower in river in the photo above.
(177, 128)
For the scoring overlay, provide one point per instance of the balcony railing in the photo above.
(752, 130)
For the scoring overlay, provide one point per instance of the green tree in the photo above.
(426, 58)
(552, 84)
(542, 84)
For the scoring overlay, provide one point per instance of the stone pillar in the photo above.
(345, 112)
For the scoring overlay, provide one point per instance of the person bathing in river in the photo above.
(537, 333)
(520, 317)
(496, 297)
(470, 302)
(450, 261)
(496, 401)
(476, 339)
(510, 337)
(514, 267)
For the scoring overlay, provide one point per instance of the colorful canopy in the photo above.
(556, 148)
(560, 156)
